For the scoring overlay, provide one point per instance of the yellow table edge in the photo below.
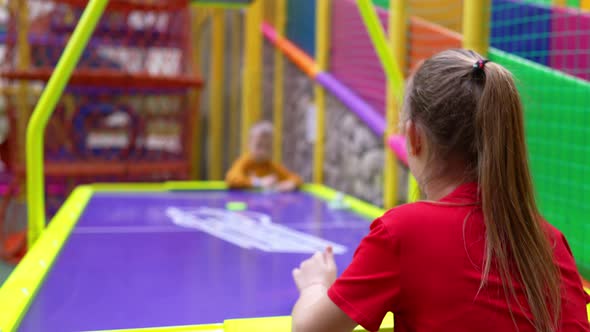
(187, 328)
(23, 283)
(262, 324)
(278, 324)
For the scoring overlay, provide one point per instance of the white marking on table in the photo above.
(250, 230)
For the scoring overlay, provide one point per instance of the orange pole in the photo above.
(300, 58)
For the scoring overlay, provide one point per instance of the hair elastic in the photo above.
(480, 64)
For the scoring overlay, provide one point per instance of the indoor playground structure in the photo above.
(122, 114)
(112, 113)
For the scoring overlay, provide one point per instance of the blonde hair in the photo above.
(471, 111)
(261, 128)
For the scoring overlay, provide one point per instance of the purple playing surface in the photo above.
(127, 265)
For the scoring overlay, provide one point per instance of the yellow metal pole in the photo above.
(199, 18)
(257, 59)
(476, 25)
(216, 108)
(319, 146)
(45, 107)
(252, 78)
(278, 98)
(246, 118)
(413, 190)
(585, 4)
(398, 25)
(322, 60)
(234, 98)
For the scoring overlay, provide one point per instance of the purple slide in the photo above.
(137, 260)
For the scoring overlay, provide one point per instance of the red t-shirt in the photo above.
(423, 262)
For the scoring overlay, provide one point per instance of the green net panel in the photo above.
(557, 120)
(548, 50)
(569, 3)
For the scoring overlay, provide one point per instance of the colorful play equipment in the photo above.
(130, 108)
(105, 103)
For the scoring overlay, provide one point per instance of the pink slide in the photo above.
(397, 143)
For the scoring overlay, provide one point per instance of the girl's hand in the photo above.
(286, 186)
(320, 269)
(268, 181)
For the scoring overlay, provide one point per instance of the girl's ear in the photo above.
(414, 139)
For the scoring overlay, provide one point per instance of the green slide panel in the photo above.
(382, 3)
(557, 115)
(570, 3)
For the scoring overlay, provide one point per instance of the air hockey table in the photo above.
(177, 257)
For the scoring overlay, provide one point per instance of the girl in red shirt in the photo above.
(477, 255)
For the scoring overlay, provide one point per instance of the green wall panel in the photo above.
(570, 3)
(382, 3)
(557, 113)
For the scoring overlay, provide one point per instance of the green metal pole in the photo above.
(44, 109)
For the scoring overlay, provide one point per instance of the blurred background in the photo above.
(166, 90)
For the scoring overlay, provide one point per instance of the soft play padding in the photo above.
(353, 60)
(522, 29)
(428, 39)
(570, 42)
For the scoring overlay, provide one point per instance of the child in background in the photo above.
(255, 169)
(475, 256)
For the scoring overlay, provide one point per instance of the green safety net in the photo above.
(557, 118)
(569, 3)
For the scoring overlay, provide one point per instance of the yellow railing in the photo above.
(44, 109)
